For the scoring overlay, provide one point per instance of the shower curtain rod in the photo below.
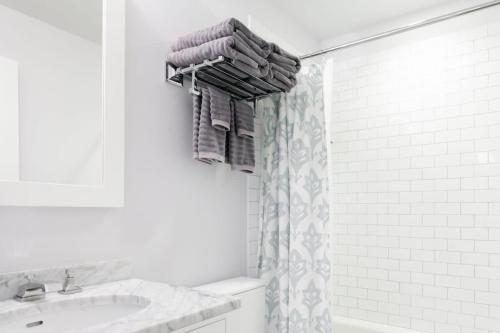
(408, 27)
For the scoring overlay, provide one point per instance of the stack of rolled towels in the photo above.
(247, 51)
(223, 128)
(283, 67)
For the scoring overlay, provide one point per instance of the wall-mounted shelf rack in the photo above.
(222, 73)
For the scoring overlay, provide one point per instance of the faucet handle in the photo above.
(68, 271)
(68, 286)
(30, 291)
(29, 277)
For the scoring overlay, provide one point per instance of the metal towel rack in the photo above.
(222, 74)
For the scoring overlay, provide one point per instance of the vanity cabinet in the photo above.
(226, 323)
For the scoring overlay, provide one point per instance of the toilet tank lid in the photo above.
(232, 286)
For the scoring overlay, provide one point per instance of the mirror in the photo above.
(62, 66)
(51, 91)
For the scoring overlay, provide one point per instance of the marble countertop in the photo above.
(165, 308)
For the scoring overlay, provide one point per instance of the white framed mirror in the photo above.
(62, 81)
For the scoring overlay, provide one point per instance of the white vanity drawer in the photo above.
(217, 327)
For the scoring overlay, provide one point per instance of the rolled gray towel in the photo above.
(278, 71)
(280, 77)
(284, 63)
(275, 68)
(263, 52)
(289, 81)
(224, 29)
(284, 59)
(280, 84)
(231, 47)
(283, 66)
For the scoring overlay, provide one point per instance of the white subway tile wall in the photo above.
(416, 184)
(253, 202)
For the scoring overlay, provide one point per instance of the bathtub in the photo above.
(348, 325)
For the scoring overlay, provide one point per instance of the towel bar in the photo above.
(222, 74)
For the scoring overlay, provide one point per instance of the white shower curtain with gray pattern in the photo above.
(294, 256)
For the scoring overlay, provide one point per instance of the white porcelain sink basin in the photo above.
(70, 315)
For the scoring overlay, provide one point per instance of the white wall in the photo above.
(253, 195)
(400, 21)
(416, 169)
(59, 100)
(183, 222)
(9, 120)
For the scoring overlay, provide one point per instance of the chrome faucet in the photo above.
(69, 286)
(33, 291)
(30, 291)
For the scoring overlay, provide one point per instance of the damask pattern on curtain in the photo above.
(294, 252)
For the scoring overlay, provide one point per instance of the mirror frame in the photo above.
(111, 192)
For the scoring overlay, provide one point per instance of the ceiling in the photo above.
(79, 17)
(329, 18)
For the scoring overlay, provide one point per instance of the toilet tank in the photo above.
(251, 293)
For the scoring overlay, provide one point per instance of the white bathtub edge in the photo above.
(372, 327)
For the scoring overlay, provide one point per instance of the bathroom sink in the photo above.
(70, 315)
(123, 306)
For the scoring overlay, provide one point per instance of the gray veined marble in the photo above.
(85, 275)
(165, 308)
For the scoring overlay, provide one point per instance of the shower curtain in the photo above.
(294, 212)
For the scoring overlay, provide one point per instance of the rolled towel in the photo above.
(234, 48)
(287, 67)
(280, 84)
(244, 119)
(263, 52)
(282, 74)
(284, 58)
(211, 141)
(289, 81)
(220, 109)
(240, 153)
(280, 77)
(224, 29)
(275, 68)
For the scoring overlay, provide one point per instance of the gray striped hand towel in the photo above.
(244, 119)
(220, 109)
(211, 142)
(240, 153)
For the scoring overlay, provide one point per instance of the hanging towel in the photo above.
(240, 153)
(229, 27)
(211, 142)
(232, 47)
(244, 119)
(220, 109)
(196, 127)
